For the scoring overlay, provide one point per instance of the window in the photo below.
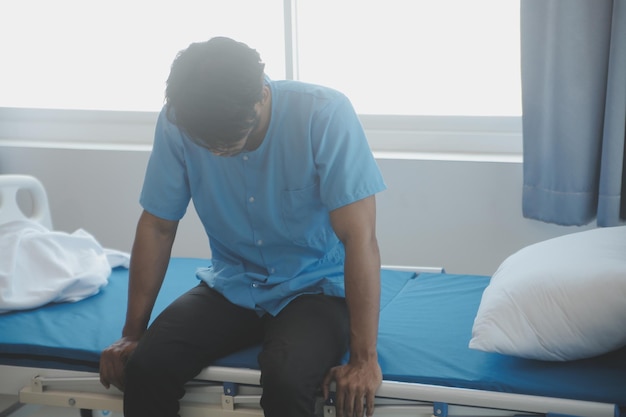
(415, 57)
(116, 54)
(425, 72)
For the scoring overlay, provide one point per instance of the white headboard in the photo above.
(10, 209)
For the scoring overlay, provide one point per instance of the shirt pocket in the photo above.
(306, 218)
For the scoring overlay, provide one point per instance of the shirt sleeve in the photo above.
(166, 191)
(346, 166)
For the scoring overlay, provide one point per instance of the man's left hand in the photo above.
(356, 385)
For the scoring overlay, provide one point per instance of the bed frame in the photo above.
(222, 392)
(455, 381)
(233, 392)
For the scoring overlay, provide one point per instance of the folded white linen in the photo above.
(39, 266)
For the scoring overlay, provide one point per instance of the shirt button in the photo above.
(272, 270)
(254, 285)
(259, 242)
(245, 157)
(251, 199)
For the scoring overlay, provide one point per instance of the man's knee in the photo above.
(140, 369)
(149, 365)
(149, 391)
(279, 376)
(145, 373)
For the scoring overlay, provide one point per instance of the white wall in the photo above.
(462, 215)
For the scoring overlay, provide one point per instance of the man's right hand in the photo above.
(113, 361)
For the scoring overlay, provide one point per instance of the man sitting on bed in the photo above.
(283, 181)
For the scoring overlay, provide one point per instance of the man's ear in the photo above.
(266, 94)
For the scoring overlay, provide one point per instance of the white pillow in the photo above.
(561, 299)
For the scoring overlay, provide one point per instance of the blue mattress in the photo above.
(425, 327)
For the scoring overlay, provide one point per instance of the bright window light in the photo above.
(392, 57)
(415, 57)
(116, 54)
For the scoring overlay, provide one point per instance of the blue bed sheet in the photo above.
(425, 327)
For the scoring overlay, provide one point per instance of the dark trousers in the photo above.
(300, 345)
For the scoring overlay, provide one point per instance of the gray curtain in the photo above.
(573, 55)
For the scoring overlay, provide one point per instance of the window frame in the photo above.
(456, 137)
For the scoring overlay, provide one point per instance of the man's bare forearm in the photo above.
(362, 280)
(358, 380)
(149, 260)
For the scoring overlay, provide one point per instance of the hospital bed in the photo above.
(49, 356)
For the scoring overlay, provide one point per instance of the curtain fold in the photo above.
(573, 55)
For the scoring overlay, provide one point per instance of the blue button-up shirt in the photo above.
(266, 212)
